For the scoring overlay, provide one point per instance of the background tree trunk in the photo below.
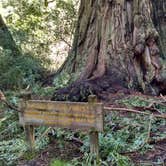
(6, 39)
(118, 41)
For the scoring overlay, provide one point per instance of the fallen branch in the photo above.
(156, 102)
(154, 141)
(23, 95)
(134, 111)
(149, 108)
(77, 140)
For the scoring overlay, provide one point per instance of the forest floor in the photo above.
(155, 156)
(71, 150)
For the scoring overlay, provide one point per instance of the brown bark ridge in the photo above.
(118, 43)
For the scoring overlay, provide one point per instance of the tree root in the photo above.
(80, 90)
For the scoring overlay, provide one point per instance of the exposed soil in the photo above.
(71, 151)
(154, 157)
(67, 152)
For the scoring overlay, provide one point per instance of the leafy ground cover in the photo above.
(38, 29)
(129, 138)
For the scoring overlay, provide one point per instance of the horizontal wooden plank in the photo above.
(59, 105)
(72, 115)
(59, 113)
(58, 121)
(54, 118)
(74, 125)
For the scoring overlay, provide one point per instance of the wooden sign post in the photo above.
(94, 136)
(85, 116)
(30, 137)
(29, 129)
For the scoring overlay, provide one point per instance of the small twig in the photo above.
(69, 45)
(164, 98)
(149, 108)
(3, 100)
(157, 102)
(77, 140)
(124, 109)
(10, 106)
(150, 163)
(3, 119)
(44, 133)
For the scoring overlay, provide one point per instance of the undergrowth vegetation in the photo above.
(12, 137)
(124, 133)
(30, 31)
(19, 72)
(36, 27)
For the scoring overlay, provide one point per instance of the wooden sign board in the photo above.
(72, 115)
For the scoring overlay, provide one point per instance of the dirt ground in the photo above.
(152, 157)
(71, 151)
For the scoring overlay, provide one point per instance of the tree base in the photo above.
(102, 87)
(116, 49)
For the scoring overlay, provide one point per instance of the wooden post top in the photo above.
(26, 95)
(92, 99)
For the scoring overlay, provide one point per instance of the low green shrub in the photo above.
(18, 71)
(59, 163)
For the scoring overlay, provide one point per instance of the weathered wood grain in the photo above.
(30, 137)
(94, 135)
(72, 115)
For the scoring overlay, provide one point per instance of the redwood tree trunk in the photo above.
(120, 40)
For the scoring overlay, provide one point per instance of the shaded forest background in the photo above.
(35, 38)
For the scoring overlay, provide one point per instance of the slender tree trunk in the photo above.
(119, 41)
(6, 39)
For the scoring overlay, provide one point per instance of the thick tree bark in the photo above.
(159, 20)
(119, 41)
